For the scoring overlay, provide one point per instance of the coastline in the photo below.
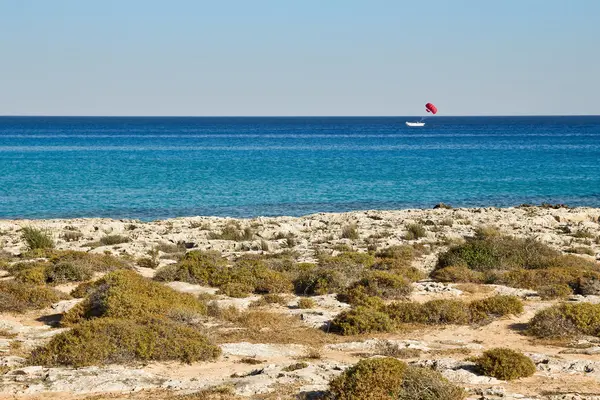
(384, 228)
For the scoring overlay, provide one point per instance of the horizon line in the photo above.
(290, 116)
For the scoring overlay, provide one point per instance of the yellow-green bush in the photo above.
(35, 275)
(556, 291)
(64, 272)
(126, 294)
(361, 320)
(566, 320)
(389, 378)
(109, 341)
(306, 303)
(358, 296)
(505, 364)
(384, 284)
(374, 316)
(522, 263)
(371, 379)
(197, 267)
(92, 261)
(37, 238)
(20, 297)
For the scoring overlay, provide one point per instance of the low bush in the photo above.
(269, 299)
(415, 231)
(361, 320)
(319, 281)
(111, 240)
(35, 275)
(375, 316)
(233, 232)
(20, 297)
(64, 272)
(126, 294)
(306, 303)
(566, 320)
(384, 284)
(92, 261)
(148, 262)
(71, 236)
(198, 267)
(557, 291)
(505, 364)
(388, 378)
(522, 263)
(371, 379)
(109, 341)
(37, 238)
(350, 232)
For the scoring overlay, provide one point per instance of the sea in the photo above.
(150, 168)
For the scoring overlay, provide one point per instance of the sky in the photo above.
(299, 57)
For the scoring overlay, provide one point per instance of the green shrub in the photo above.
(83, 290)
(37, 238)
(505, 364)
(64, 272)
(111, 240)
(458, 274)
(109, 341)
(385, 285)
(522, 263)
(236, 289)
(126, 294)
(20, 297)
(35, 275)
(494, 307)
(306, 303)
(358, 296)
(566, 320)
(556, 291)
(415, 231)
(350, 232)
(319, 281)
(91, 261)
(361, 320)
(371, 379)
(443, 311)
(269, 299)
(389, 378)
(198, 267)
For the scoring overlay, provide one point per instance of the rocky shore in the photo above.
(564, 369)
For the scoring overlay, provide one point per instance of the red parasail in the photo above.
(431, 108)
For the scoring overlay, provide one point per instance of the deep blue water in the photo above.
(151, 168)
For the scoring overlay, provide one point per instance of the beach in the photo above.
(300, 357)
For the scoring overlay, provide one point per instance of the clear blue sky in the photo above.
(299, 57)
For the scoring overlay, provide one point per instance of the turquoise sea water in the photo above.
(151, 168)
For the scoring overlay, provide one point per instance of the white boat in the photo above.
(415, 123)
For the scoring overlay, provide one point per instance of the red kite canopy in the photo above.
(431, 108)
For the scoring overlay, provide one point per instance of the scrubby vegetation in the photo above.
(490, 257)
(234, 232)
(350, 232)
(65, 266)
(566, 320)
(111, 240)
(505, 364)
(19, 297)
(126, 294)
(388, 378)
(306, 303)
(387, 318)
(107, 341)
(415, 231)
(37, 238)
